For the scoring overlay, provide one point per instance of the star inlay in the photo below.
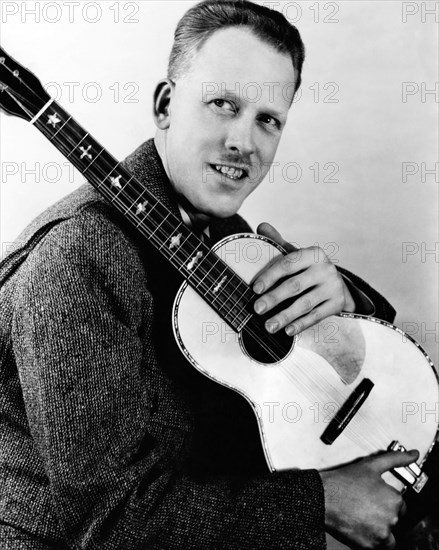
(53, 120)
(116, 181)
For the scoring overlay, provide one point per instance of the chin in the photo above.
(226, 210)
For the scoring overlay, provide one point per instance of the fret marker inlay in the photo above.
(195, 260)
(185, 251)
(116, 181)
(220, 284)
(85, 152)
(175, 241)
(141, 207)
(53, 120)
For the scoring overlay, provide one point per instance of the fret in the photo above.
(220, 284)
(227, 291)
(132, 203)
(160, 224)
(174, 238)
(126, 184)
(222, 265)
(194, 261)
(217, 284)
(60, 128)
(203, 269)
(244, 322)
(147, 215)
(194, 255)
(178, 248)
(94, 158)
(77, 145)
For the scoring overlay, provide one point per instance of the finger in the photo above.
(283, 266)
(393, 459)
(317, 314)
(290, 288)
(305, 312)
(267, 230)
(307, 307)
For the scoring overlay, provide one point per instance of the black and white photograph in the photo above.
(219, 251)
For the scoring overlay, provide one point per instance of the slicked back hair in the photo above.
(206, 17)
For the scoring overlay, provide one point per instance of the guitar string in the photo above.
(256, 336)
(380, 440)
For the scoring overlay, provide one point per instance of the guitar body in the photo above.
(295, 398)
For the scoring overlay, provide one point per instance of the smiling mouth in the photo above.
(230, 172)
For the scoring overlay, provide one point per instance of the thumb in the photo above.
(267, 230)
(393, 459)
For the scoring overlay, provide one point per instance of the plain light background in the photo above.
(351, 116)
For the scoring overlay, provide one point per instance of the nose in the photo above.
(240, 138)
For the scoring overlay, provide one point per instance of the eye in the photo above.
(224, 105)
(270, 121)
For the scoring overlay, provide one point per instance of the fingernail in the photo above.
(258, 287)
(271, 326)
(291, 330)
(260, 306)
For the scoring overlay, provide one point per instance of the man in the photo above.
(109, 438)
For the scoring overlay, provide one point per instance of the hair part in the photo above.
(206, 17)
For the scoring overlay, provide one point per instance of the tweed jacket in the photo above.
(109, 439)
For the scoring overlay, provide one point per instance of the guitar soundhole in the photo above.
(264, 347)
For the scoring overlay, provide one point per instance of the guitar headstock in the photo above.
(21, 93)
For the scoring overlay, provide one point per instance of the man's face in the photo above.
(227, 113)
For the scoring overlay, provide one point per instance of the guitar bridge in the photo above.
(411, 475)
(347, 411)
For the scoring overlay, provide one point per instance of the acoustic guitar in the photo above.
(349, 386)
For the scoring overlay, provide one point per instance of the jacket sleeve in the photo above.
(82, 334)
(368, 301)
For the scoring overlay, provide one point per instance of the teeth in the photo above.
(229, 171)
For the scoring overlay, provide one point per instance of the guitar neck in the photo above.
(203, 269)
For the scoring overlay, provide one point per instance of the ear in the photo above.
(162, 103)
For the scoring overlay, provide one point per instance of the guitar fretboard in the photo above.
(225, 291)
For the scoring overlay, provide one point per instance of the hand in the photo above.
(308, 271)
(360, 507)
